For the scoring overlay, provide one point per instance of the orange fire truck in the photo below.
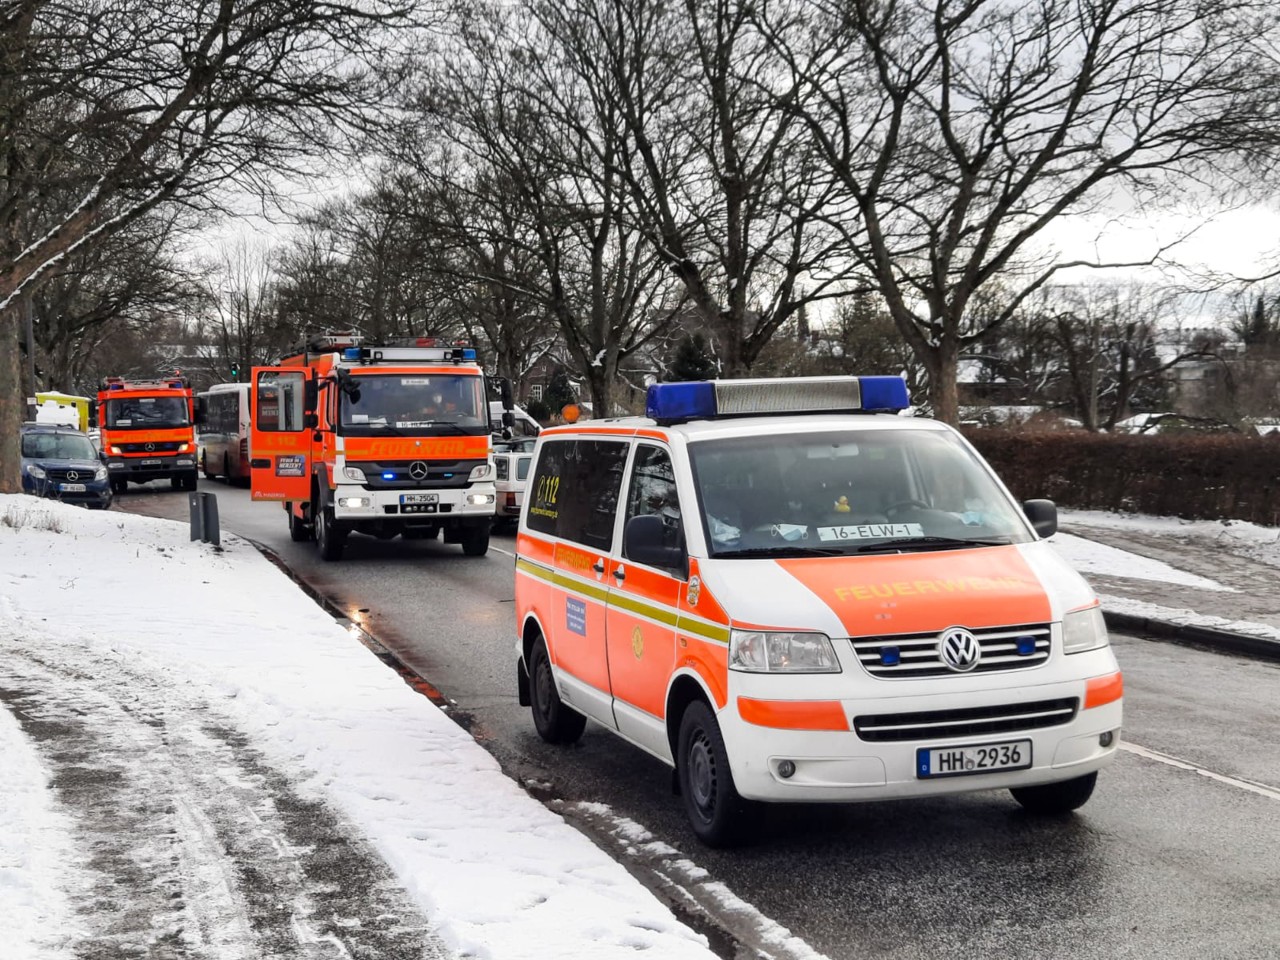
(147, 431)
(381, 440)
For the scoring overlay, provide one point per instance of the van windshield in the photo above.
(57, 446)
(848, 492)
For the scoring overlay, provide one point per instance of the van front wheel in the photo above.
(1056, 798)
(556, 722)
(716, 811)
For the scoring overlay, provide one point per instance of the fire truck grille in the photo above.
(415, 474)
(165, 446)
(968, 722)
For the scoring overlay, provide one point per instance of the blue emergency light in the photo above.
(351, 353)
(709, 399)
(468, 354)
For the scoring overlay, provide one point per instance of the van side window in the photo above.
(574, 490)
(653, 491)
(547, 484)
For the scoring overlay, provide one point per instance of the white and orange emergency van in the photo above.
(147, 431)
(386, 440)
(789, 592)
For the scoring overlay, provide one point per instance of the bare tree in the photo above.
(716, 174)
(241, 326)
(560, 196)
(112, 108)
(959, 130)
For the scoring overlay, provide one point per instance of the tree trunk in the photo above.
(12, 400)
(943, 364)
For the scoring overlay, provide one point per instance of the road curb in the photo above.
(1225, 641)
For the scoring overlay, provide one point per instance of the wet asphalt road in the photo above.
(1176, 856)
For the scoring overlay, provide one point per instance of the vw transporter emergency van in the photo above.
(789, 592)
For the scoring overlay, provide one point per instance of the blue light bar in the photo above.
(693, 400)
(884, 393)
(708, 399)
(468, 354)
(351, 353)
(388, 476)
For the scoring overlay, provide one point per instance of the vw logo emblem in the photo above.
(418, 470)
(73, 475)
(959, 650)
(148, 447)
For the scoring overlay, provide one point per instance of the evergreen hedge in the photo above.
(1196, 476)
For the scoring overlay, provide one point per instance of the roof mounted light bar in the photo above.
(409, 354)
(711, 399)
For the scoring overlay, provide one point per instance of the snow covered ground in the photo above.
(169, 704)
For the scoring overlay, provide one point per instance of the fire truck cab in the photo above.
(147, 431)
(383, 440)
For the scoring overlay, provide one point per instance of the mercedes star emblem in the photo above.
(418, 470)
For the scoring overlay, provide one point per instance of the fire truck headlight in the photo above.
(354, 474)
(37, 472)
(353, 501)
(184, 447)
(483, 472)
(115, 451)
(754, 652)
(479, 499)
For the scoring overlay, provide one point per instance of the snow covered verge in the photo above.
(1251, 540)
(150, 643)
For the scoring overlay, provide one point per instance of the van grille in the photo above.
(967, 722)
(916, 654)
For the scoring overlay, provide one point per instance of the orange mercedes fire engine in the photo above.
(147, 431)
(382, 440)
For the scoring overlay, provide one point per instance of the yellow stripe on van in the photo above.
(659, 612)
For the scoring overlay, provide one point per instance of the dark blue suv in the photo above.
(61, 463)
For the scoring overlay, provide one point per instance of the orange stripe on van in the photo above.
(793, 714)
(1099, 691)
(534, 548)
(923, 592)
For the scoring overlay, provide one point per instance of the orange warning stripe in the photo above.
(1100, 691)
(793, 714)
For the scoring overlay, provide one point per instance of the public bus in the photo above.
(224, 435)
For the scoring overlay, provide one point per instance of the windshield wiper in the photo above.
(781, 550)
(930, 543)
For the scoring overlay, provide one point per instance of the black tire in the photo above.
(119, 486)
(299, 532)
(189, 481)
(204, 467)
(715, 810)
(556, 722)
(176, 483)
(226, 468)
(1056, 798)
(475, 540)
(331, 536)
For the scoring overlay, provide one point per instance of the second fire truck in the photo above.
(382, 440)
(147, 431)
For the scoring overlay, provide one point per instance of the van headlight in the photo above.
(755, 652)
(354, 474)
(37, 472)
(1084, 630)
(480, 472)
(100, 473)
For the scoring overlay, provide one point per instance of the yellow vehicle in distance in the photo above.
(63, 409)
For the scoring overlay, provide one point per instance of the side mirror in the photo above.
(643, 541)
(508, 419)
(309, 420)
(1043, 515)
(310, 395)
(508, 399)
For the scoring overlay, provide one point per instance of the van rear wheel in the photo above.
(1056, 798)
(711, 801)
(556, 722)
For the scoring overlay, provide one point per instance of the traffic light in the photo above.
(235, 371)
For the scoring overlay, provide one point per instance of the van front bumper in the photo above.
(839, 765)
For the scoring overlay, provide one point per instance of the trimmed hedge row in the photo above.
(1196, 476)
